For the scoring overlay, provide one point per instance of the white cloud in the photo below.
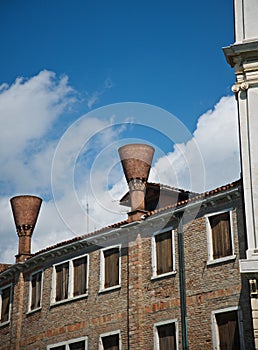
(94, 97)
(84, 168)
(28, 109)
(216, 137)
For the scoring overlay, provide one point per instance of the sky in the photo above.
(79, 79)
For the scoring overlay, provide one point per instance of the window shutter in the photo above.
(36, 290)
(62, 281)
(80, 345)
(167, 337)
(111, 257)
(80, 275)
(221, 235)
(6, 296)
(228, 331)
(164, 252)
(111, 342)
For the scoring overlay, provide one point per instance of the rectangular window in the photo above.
(110, 341)
(220, 236)
(165, 336)
(110, 267)
(5, 304)
(227, 330)
(70, 279)
(163, 253)
(77, 344)
(35, 290)
(62, 278)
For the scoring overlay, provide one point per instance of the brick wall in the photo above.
(142, 300)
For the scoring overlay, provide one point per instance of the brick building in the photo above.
(180, 273)
(165, 278)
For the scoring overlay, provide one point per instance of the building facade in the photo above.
(167, 278)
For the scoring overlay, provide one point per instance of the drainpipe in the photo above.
(182, 282)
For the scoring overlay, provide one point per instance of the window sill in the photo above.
(221, 260)
(29, 312)
(163, 275)
(6, 323)
(109, 289)
(60, 302)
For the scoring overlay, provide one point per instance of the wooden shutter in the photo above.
(79, 276)
(5, 307)
(36, 290)
(62, 281)
(111, 342)
(228, 330)
(111, 257)
(80, 345)
(221, 235)
(167, 337)
(164, 261)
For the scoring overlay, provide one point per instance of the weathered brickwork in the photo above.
(142, 300)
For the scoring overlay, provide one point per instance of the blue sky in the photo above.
(81, 78)
(165, 53)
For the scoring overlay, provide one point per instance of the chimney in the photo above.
(25, 212)
(136, 161)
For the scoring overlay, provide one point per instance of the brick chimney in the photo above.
(136, 161)
(25, 212)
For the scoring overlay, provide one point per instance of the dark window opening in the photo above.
(221, 235)
(164, 258)
(111, 342)
(36, 282)
(167, 336)
(111, 267)
(80, 276)
(5, 307)
(229, 338)
(62, 277)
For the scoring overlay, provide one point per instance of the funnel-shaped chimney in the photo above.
(136, 161)
(25, 212)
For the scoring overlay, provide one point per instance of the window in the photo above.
(75, 344)
(110, 268)
(226, 330)
(35, 291)
(163, 253)
(110, 341)
(165, 335)
(220, 236)
(5, 304)
(70, 279)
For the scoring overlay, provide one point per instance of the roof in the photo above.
(183, 203)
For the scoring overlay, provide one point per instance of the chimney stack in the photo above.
(25, 212)
(136, 161)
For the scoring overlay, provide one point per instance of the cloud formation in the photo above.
(216, 137)
(80, 167)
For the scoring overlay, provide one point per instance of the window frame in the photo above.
(232, 256)
(102, 287)
(104, 335)
(10, 303)
(68, 342)
(215, 328)
(155, 275)
(30, 291)
(164, 323)
(70, 291)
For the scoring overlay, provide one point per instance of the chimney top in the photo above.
(25, 209)
(25, 212)
(136, 160)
